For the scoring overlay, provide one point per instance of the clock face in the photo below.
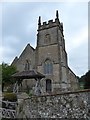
(47, 38)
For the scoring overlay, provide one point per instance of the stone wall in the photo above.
(65, 105)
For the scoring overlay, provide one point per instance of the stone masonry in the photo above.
(65, 105)
(49, 58)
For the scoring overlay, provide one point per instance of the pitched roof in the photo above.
(28, 48)
(15, 60)
(28, 74)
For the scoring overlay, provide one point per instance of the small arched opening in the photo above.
(48, 85)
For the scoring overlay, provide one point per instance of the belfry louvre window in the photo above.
(48, 67)
(47, 38)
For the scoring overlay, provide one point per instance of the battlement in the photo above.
(50, 23)
(44, 23)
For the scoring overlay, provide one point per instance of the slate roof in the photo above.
(28, 74)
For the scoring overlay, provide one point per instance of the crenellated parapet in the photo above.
(50, 23)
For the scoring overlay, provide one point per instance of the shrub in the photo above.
(10, 97)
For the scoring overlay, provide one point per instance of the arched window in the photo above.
(47, 38)
(48, 67)
(48, 85)
(27, 65)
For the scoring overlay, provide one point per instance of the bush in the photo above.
(10, 89)
(10, 97)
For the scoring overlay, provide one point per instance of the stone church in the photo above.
(49, 58)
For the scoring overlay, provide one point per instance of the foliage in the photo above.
(85, 80)
(0, 74)
(10, 97)
(7, 71)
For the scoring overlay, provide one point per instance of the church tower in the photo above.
(51, 56)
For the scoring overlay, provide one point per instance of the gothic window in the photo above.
(48, 67)
(47, 38)
(48, 85)
(27, 65)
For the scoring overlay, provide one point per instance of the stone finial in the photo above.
(39, 20)
(57, 14)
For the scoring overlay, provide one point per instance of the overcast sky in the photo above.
(19, 27)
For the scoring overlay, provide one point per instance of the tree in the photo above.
(87, 80)
(0, 74)
(7, 71)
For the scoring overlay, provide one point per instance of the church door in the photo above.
(48, 85)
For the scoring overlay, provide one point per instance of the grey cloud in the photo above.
(20, 21)
(78, 59)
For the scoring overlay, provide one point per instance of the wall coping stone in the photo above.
(63, 93)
